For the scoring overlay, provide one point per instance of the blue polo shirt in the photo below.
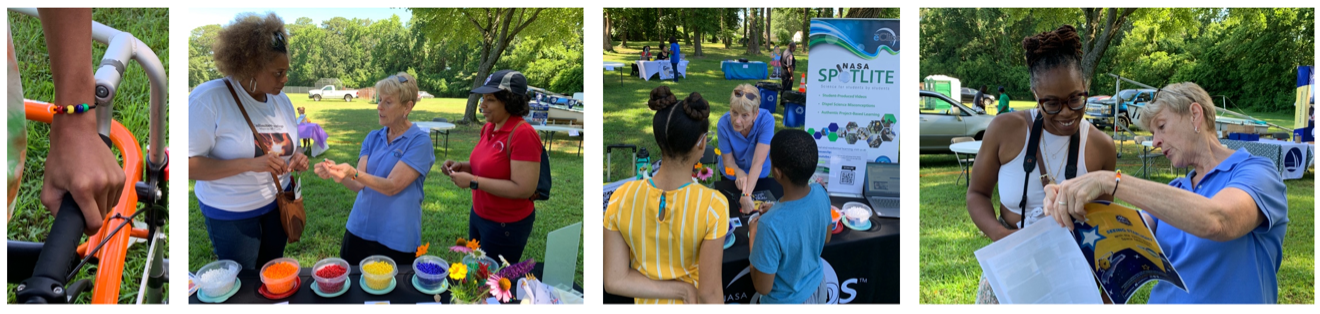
(1242, 270)
(789, 240)
(394, 221)
(742, 147)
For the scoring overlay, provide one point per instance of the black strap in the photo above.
(1073, 146)
(1029, 161)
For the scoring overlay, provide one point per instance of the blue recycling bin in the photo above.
(769, 95)
(795, 114)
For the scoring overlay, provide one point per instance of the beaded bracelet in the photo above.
(1118, 177)
(70, 109)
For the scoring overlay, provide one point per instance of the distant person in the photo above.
(789, 63)
(309, 132)
(1003, 102)
(774, 63)
(979, 100)
(787, 240)
(646, 53)
(663, 54)
(675, 57)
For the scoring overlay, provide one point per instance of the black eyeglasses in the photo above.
(740, 93)
(1053, 106)
(278, 42)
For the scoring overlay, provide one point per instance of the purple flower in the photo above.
(517, 270)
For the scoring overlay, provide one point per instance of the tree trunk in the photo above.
(609, 46)
(724, 27)
(754, 32)
(769, 36)
(806, 26)
(1096, 35)
(492, 48)
(746, 36)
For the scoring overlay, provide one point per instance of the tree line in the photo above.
(756, 29)
(1249, 55)
(450, 51)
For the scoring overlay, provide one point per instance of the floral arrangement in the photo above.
(473, 282)
(701, 173)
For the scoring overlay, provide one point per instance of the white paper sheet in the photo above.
(1039, 264)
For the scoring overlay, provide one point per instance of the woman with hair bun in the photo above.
(232, 166)
(1054, 140)
(664, 237)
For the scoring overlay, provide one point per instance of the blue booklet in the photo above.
(1121, 250)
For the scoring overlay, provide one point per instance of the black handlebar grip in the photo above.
(610, 148)
(61, 246)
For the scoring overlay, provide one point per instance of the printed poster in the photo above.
(1121, 250)
(852, 96)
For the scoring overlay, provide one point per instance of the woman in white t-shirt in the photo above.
(233, 173)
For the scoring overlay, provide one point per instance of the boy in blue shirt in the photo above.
(787, 240)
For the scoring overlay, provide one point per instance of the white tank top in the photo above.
(1054, 152)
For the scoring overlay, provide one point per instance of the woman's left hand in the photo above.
(461, 179)
(1068, 200)
(298, 162)
(341, 171)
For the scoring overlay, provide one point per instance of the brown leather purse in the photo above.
(293, 217)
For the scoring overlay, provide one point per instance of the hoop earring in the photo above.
(254, 85)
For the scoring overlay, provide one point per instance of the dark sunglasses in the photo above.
(400, 78)
(1053, 106)
(740, 93)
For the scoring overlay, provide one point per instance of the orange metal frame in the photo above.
(110, 271)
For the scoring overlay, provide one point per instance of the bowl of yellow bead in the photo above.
(378, 272)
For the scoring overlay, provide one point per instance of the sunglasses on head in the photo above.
(748, 95)
(278, 42)
(1077, 102)
(400, 78)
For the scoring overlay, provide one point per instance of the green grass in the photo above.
(446, 207)
(950, 272)
(628, 120)
(31, 221)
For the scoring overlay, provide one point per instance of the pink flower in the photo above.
(460, 249)
(500, 288)
(705, 173)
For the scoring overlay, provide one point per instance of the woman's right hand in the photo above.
(268, 163)
(450, 166)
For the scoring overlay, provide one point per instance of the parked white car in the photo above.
(330, 92)
(424, 94)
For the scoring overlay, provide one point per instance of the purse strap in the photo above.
(255, 134)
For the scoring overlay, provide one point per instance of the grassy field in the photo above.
(446, 207)
(628, 120)
(950, 272)
(31, 221)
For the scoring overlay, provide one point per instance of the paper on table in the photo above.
(572, 133)
(1038, 264)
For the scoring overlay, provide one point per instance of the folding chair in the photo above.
(435, 140)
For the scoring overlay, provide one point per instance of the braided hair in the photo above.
(678, 125)
(1048, 50)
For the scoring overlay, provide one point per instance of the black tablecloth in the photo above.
(403, 293)
(862, 265)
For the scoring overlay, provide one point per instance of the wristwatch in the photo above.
(473, 184)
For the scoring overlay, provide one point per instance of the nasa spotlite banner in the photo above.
(852, 96)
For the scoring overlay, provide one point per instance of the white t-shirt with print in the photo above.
(217, 130)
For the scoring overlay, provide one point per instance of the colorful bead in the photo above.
(80, 108)
(70, 109)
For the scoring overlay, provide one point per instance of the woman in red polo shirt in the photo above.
(503, 169)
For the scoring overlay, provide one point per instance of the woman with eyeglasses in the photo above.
(1054, 141)
(235, 188)
(387, 214)
(744, 143)
(503, 169)
(1222, 225)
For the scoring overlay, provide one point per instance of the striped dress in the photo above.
(664, 244)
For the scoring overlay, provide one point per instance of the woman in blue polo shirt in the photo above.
(387, 214)
(744, 138)
(1222, 225)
